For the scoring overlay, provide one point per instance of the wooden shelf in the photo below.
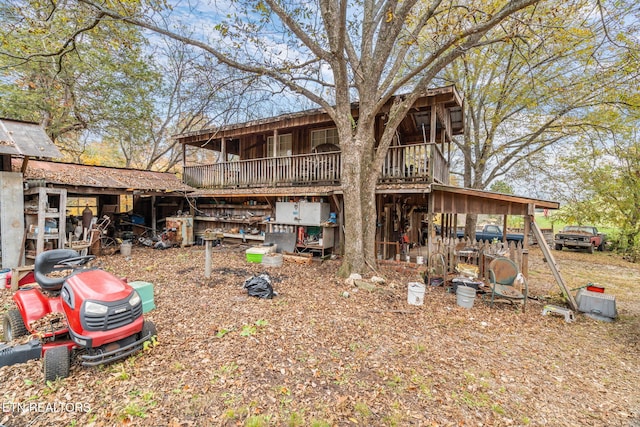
(47, 236)
(38, 218)
(230, 206)
(245, 236)
(230, 220)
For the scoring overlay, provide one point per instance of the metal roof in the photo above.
(71, 174)
(26, 139)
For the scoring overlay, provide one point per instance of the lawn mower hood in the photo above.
(100, 308)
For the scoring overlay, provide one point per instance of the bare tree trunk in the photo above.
(358, 184)
(470, 223)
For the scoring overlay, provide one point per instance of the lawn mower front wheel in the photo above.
(56, 363)
(148, 328)
(13, 326)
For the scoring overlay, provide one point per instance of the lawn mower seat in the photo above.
(46, 263)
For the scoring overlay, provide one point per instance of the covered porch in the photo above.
(303, 149)
(423, 163)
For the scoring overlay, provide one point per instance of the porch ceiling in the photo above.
(297, 191)
(447, 199)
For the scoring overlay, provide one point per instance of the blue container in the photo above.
(137, 219)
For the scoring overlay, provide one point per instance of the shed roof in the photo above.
(102, 177)
(26, 139)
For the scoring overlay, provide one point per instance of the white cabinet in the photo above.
(302, 213)
(308, 221)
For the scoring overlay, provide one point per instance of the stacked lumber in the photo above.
(298, 258)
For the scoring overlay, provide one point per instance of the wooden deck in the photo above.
(408, 163)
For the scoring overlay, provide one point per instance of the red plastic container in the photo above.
(594, 288)
(29, 278)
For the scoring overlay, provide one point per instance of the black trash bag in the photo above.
(259, 286)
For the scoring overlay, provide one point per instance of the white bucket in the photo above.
(4, 273)
(125, 249)
(465, 296)
(415, 295)
(419, 260)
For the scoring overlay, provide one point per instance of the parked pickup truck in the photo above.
(580, 237)
(493, 232)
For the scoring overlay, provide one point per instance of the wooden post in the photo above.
(433, 123)
(387, 229)
(208, 244)
(431, 216)
(504, 228)
(528, 219)
(275, 143)
(207, 258)
(153, 214)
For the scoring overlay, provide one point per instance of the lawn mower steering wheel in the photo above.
(77, 261)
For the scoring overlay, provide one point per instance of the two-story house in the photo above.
(266, 173)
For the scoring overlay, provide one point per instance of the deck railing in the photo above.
(403, 163)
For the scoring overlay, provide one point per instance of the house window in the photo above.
(324, 136)
(75, 205)
(284, 147)
(126, 203)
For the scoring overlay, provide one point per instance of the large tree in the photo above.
(74, 89)
(334, 53)
(539, 90)
(599, 180)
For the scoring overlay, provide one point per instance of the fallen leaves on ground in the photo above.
(325, 353)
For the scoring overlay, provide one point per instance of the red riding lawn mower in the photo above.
(74, 309)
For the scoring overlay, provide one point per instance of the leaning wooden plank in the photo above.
(551, 262)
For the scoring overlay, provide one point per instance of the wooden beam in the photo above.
(504, 228)
(154, 214)
(25, 163)
(432, 129)
(551, 262)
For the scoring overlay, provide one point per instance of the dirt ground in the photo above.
(323, 353)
